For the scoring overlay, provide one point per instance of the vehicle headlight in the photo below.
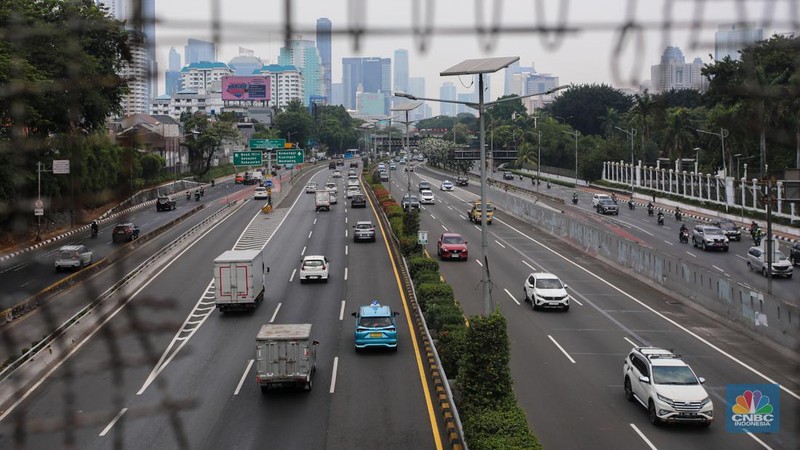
(664, 399)
(705, 401)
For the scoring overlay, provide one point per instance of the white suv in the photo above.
(545, 290)
(665, 385)
(597, 197)
(314, 267)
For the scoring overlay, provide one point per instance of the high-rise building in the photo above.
(141, 21)
(352, 76)
(674, 73)
(196, 51)
(137, 72)
(246, 63)
(324, 47)
(447, 92)
(372, 78)
(304, 55)
(286, 84)
(416, 87)
(401, 70)
(172, 81)
(508, 74)
(174, 59)
(336, 94)
(729, 40)
(115, 7)
(205, 75)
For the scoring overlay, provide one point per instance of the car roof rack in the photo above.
(658, 353)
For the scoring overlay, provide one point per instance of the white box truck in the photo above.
(285, 356)
(240, 279)
(322, 200)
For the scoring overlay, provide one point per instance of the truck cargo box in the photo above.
(285, 356)
(239, 279)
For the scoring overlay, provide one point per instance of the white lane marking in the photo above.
(721, 270)
(310, 233)
(113, 422)
(562, 349)
(662, 316)
(433, 217)
(644, 438)
(691, 254)
(333, 377)
(341, 310)
(575, 300)
(303, 252)
(345, 273)
(275, 314)
(668, 243)
(741, 257)
(445, 228)
(450, 208)
(477, 227)
(345, 219)
(631, 342)
(315, 220)
(512, 296)
(498, 243)
(346, 249)
(244, 376)
(345, 233)
(526, 263)
(763, 444)
(292, 277)
(479, 262)
(345, 210)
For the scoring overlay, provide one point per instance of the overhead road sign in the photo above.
(266, 144)
(290, 156)
(248, 159)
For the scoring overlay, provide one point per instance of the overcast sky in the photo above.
(583, 56)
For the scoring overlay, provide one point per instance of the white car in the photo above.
(597, 197)
(336, 174)
(331, 186)
(664, 384)
(447, 185)
(311, 187)
(781, 266)
(426, 197)
(352, 181)
(545, 290)
(332, 195)
(314, 267)
(73, 257)
(352, 190)
(261, 193)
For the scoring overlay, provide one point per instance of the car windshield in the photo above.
(713, 231)
(375, 322)
(778, 256)
(727, 225)
(67, 254)
(549, 283)
(411, 198)
(681, 375)
(364, 226)
(452, 240)
(606, 201)
(489, 208)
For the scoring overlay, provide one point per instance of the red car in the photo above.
(452, 246)
(239, 179)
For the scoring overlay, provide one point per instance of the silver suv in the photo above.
(364, 230)
(73, 257)
(707, 237)
(661, 382)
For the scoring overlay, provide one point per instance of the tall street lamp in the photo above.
(696, 159)
(632, 134)
(723, 133)
(480, 67)
(407, 108)
(576, 133)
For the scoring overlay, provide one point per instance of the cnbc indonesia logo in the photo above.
(753, 408)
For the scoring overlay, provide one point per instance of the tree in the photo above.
(583, 106)
(206, 136)
(294, 123)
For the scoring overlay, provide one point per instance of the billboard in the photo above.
(245, 88)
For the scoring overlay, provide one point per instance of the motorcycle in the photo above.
(212, 183)
(650, 210)
(188, 195)
(683, 236)
(678, 216)
(631, 205)
(197, 196)
(94, 233)
(660, 219)
(202, 192)
(574, 200)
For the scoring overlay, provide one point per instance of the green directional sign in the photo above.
(290, 156)
(266, 144)
(248, 159)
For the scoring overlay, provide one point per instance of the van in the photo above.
(474, 213)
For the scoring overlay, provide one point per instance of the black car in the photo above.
(410, 202)
(332, 165)
(462, 181)
(354, 164)
(731, 230)
(125, 232)
(606, 206)
(508, 176)
(358, 201)
(165, 203)
(794, 254)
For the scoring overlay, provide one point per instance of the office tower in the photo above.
(400, 71)
(447, 92)
(174, 59)
(508, 74)
(729, 40)
(324, 47)
(205, 76)
(674, 73)
(286, 84)
(336, 94)
(196, 51)
(372, 78)
(115, 7)
(172, 81)
(416, 87)
(304, 55)
(137, 72)
(246, 63)
(352, 75)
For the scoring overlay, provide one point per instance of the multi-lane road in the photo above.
(567, 367)
(170, 371)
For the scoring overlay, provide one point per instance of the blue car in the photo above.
(375, 327)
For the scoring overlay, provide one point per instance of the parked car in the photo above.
(607, 206)
(731, 230)
(545, 290)
(311, 187)
(261, 193)
(73, 257)
(757, 260)
(375, 327)
(314, 268)
(447, 185)
(364, 230)
(452, 246)
(423, 185)
(508, 176)
(426, 197)
(597, 197)
(794, 254)
(165, 203)
(125, 232)
(662, 382)
(462, 181)
(707, 237)
(358, 200)
(409, 202)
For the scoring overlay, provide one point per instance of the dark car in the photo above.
(794, 254)
(731, 230)
(358, 201)
(125, 232)
(508, 176)
(165, 203)
(462, 181)
(424, 185)
(332, 165)
(606, 206)
(409, 202)
(353, 163)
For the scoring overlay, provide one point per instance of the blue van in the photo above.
(375, 327)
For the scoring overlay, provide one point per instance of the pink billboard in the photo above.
(245, 88)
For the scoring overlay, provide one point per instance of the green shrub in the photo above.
(450, 343)
(428, 291)
(376, 177)
(393, 210)
(397, 225)
(442, 313)
(484, 377)
(426, 277)
(411, 222)
(501, 427)
(422, 264)
(409, 245)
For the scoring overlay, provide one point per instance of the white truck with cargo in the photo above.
(286, 356)
(322, 200)
(240, 279)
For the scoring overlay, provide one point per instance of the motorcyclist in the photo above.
(95, 228)
(548, 184)
(758, 234)
(650, 208)
(678, 214)
(753, 228)
(188, 195)
(683, 232)
(202, 191)
(197, 194)
(574, 197)
(631, 205)
(660, 217)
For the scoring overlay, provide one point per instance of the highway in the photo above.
(170, 371)
(567, 367)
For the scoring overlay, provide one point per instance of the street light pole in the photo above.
(576, 133)
(632, 134)
(539, 161)
(723, 133)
